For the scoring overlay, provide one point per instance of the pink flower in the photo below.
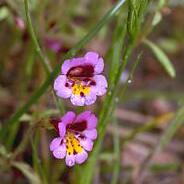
(20, 23)
(53, 44)
(81, 79)
(76, 136)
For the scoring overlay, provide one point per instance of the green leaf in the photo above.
(161, 3)
(169, 45)
(165, 167)
(174, 126)
(136, 11)
(28, 172)
(162, 58)
(37, 165)
(3, 151)
(116, 51)
(4, 13)
(157, 18)
(117, 154)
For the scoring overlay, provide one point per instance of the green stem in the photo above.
(116, 168)
(21, 147)
(44, 60)
(112, 92)
(42, 56)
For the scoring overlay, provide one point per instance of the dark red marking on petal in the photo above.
(54, 122)
(74, 152)
(81, 71)
(92, 83)
(89, 81)
(78, 126)
(81, 136)
(66, 84)
(82, 94)
(86, 79)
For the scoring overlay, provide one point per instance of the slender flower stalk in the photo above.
(44, 59)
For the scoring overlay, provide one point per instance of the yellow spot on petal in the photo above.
(72, 144)
(79, 89)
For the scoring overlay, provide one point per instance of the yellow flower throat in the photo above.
(79, 89)
(72, 144)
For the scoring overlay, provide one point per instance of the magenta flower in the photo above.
(76, 136)
(81, 79)
(19, 23)
(53, 44)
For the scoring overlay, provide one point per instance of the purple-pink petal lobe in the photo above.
(89, 117)
(77, 100)
(98, 63)
(55, 143)
(91, 134)
(99, 67)
(62, 129)
(101, 85)
(60, 87)
(91, 57)
(83, 116)
(91, 98)
(87, 144)
(68, 117)
(92, 122)
(81, 157)
(60, 152)
(70, 160)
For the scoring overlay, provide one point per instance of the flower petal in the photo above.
(70, 63)
(92, 122)
(81, 157)
(62, 129)
(91, 134)
(83, 116)
(93, 58)
(91, 98)
(89, 117)
(68, 117)
(101, 85)
(99, 66)
(60, 152)
(86, 143)
(60, 88)
(55, 143)
(77, 100)
(70, 160)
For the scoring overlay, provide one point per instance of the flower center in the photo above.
(79, 89)
(73, 146)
